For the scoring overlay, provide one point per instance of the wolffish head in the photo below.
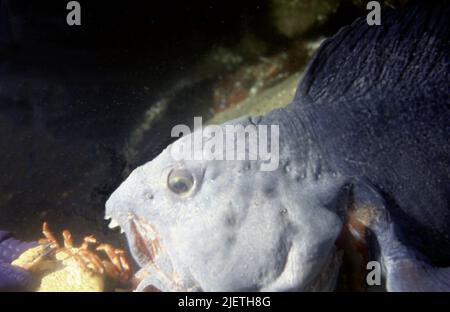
(226, 225)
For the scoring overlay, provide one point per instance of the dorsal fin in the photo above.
(369, 61)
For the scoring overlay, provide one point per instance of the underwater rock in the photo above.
(280, 95)
(250, 80)
(259, 88)
(295, 17)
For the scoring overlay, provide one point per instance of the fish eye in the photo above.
(180, 181)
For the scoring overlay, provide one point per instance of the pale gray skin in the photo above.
(238, 228)
(368, 129)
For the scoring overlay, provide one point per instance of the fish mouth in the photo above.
(157, 271)
(145, 240)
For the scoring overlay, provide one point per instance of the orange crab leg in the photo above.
(94, 259)
(88, 240)
(49, 235)
(68, 241)
(125, 262)
(111, 253)
(119, 260)
(118, 267)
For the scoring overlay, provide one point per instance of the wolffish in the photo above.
(365, 137)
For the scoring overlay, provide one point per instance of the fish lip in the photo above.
(154, 260)
(145, 240)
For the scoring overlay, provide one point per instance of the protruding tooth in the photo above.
(122, 231)
(113, 224)
(107, 217)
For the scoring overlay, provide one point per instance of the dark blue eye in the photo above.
(180, 181)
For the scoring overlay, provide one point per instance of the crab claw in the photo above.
(119, 268)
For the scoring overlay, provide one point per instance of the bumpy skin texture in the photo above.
(13, 278)
(368, 127)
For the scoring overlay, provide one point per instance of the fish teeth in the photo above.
(113, 224)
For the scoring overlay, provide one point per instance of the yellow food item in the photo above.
(66, 268)
(33, 261)
(63, 274)
(72, 278)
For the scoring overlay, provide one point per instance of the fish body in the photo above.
(366, 134)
